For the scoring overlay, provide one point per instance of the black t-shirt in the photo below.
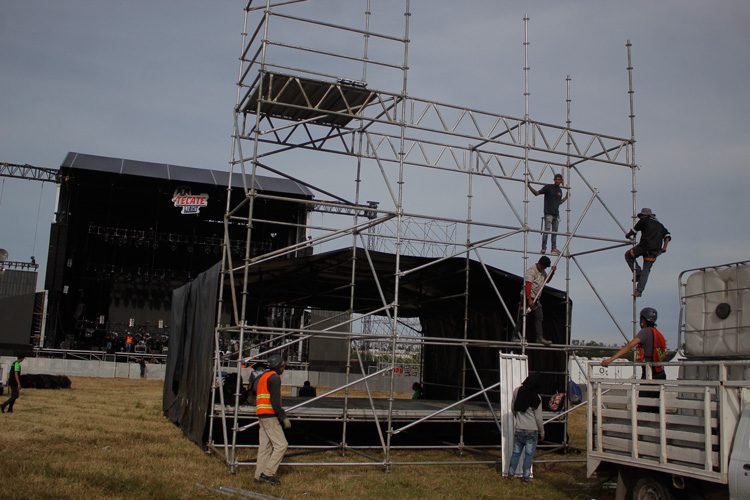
(647, 342)
(552, 199)
(652, 233)
(14, 367)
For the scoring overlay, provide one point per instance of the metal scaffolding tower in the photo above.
(325, 103)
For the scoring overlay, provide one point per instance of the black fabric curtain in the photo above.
(187, 380)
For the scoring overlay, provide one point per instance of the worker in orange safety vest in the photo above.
(272, 443)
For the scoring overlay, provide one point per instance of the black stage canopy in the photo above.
(176, 173)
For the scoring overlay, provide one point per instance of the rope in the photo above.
(38, 212)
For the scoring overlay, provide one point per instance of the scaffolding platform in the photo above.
(360, 410)
(305, 99)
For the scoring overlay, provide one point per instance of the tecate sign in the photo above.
(190, 203)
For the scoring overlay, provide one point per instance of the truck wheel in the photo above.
(651, 488)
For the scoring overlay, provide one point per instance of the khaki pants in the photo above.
(271, 447)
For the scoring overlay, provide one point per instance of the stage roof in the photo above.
(177, 173)
(323, 281)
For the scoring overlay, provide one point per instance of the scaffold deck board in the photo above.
(360, 409)
(298, 98)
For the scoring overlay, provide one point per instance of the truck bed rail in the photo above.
(683, 427)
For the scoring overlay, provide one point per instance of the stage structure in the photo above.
(126, 233)
(322, 101)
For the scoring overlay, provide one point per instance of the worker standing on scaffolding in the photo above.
(654, 241)
(272, 443)
(553, 198)
(534, 279)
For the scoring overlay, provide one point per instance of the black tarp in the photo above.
(187, 379)
(434, 293)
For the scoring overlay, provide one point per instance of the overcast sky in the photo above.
(155, 81)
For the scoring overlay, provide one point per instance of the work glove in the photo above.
(286, 423)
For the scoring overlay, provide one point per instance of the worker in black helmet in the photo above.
(651, 347)
(271, 416)
(650, 344)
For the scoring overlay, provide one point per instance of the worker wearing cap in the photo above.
(553, 198)
(534, 279)
(271, 416)
(654, 241)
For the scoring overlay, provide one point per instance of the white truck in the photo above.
(693, 441)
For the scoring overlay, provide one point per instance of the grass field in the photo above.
(107, 439)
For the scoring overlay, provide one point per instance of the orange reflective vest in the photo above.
(660, 349)
(129, 340)
(263, 397)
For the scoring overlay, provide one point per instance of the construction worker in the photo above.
(650, 343)
(14, 382)
(651, 347)
(271, 416)
(534, 278)
(553, 198)
(654, 241)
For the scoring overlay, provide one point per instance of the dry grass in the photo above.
(107, 439)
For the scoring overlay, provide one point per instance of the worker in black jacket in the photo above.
(654, 241)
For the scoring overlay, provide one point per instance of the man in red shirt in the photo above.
(534, 279)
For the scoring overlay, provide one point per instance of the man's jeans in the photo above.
(551, 223)
(534, 320)
(649, 257)
(525, 441)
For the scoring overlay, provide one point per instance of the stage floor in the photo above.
(320, 422)
(361, 409)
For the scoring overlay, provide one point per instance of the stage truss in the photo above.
(342, 123)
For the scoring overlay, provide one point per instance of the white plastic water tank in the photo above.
(717, 311)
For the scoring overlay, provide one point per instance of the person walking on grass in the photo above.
(553, 198)
(272, 443)
(528, 425)
(14, 382)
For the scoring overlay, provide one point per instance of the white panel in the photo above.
(739, 463)
(514, 369)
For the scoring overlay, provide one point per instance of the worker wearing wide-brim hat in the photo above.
(654, 240)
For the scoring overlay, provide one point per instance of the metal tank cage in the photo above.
(316, 115)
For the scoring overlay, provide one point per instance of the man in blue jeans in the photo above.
(553, 198)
